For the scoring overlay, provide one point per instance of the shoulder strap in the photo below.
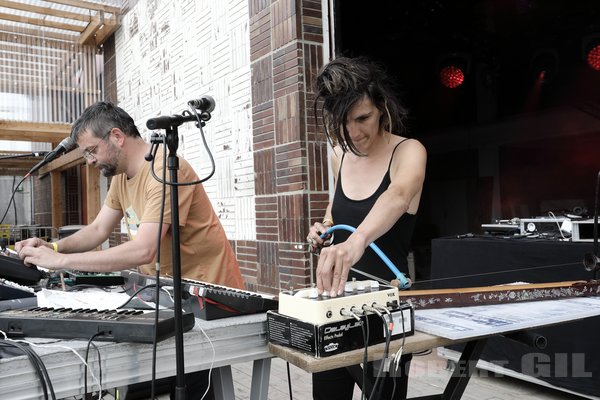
(393, 152)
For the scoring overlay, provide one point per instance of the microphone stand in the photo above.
(170, 124)
(35, 154)
(172, 141)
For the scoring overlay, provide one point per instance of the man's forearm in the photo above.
(81, 241)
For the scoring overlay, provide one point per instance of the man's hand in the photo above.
(33, 242)
(41, 256)
(36, 251)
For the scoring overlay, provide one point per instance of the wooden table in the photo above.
(418, 342)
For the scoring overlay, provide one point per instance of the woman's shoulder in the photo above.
(403, 143)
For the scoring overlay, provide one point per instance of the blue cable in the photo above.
(404, 282)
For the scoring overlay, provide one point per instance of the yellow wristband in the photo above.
(55, 246)
(327, 221)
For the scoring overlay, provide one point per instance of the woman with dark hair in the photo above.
(378, 175)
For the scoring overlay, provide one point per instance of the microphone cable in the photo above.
(210, 156)
(12, 198)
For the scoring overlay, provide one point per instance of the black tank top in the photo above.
(394, 243)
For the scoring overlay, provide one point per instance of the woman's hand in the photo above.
(335, 263)
(314, 237)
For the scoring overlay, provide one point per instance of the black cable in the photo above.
(87, 350)
(38, 365)
(11, 199)
(388, 336)
(402, 348)
(365, 333)
(136, 293)
(289, 375)
(99, 364)
(199, 181)
(44, 373)
(157, 293)
(14, 202)
(33, 362)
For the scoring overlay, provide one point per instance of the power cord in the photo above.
(87, 350)
(37, 364)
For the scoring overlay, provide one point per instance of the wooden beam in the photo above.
(44, 10)
(10, 84)
(63, 162)
(89, 5)
(40, 132)
(22, 164)
(64, 37)
(92, 193)
(56, 203)
(41, 22)
(88, 35)
(110, 26)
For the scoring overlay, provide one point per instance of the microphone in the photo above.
(168, 121)
(204, 103)
(66, 145)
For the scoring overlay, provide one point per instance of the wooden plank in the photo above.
(110, 26)
(89, 5)
(19, 164)
(63, 162)
(64, 37)
(418, 342)
(92, 194)
(45, 10)
(56, 203)
(39, 132)
(88, 36)
(41, 22)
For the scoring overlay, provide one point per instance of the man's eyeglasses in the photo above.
(88, 154)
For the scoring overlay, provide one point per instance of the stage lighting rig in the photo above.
(453, 69)
(591, 51)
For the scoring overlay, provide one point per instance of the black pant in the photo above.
(338, 384)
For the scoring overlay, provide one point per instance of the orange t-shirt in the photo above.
(205, 252)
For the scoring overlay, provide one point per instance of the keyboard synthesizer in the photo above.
(207, 301)
(13, 269)
(67, 323)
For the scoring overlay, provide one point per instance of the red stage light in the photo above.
(593, 58)
(451, 76)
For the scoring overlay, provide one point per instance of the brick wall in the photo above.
(257, 58)
(289, 155)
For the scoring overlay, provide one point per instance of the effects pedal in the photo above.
(307, 305)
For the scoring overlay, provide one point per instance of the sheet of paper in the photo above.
(467, 322)
(90, 298)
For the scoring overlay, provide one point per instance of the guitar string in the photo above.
(525, 269)
(497, 272)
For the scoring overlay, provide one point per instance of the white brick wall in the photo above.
(169, 52)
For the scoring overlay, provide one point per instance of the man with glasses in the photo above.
(110, 141)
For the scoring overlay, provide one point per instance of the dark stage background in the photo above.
(504, 144)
